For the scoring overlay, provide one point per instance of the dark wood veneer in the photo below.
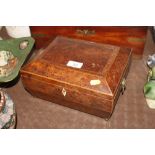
(126, 36)
(47, 76)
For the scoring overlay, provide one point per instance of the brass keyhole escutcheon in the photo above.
(85, 32)
(64, 92)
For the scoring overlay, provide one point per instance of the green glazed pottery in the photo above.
(149, 89)
(13, 53)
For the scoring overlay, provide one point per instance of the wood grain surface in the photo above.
(126, 36)
(48, 77)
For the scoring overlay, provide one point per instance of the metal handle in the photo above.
(85, 32)
(123, 85)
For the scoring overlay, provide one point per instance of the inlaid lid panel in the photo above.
(84, 55)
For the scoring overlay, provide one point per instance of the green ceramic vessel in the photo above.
(19, 50)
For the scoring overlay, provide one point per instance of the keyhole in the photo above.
(64, 92)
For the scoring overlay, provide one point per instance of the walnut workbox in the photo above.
(82, 75)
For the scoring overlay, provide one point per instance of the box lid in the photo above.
(86, 66)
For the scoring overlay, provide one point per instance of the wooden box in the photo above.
(126, 36)
(79, 74)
